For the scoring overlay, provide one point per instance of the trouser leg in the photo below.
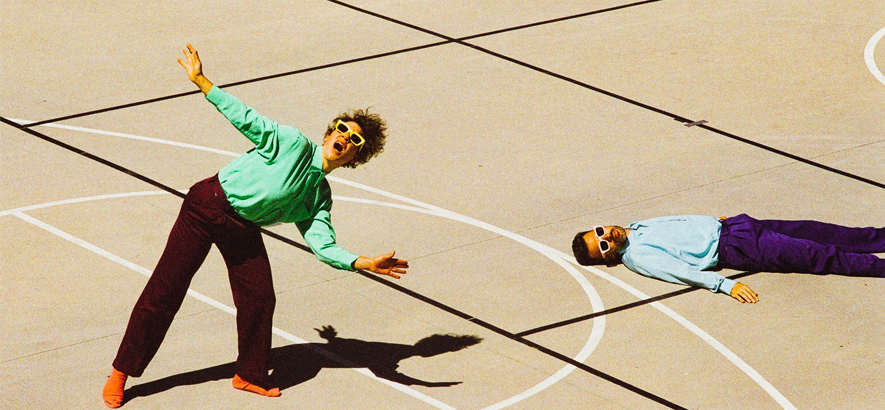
(857, 240)
(252, 287)
(185, 251)
(749, 244)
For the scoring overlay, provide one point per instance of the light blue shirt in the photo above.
(677, 249)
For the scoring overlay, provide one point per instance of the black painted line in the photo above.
(369, 275)
(793, 157)
(236, 83)
(621, 308)
(524, 341)
(448, 40)
(95, 158)
(558, 19)
(514, 61)
(699, 124)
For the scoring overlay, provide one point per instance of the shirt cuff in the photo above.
(726, 286)
(215, 94)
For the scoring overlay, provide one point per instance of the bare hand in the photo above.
(383, 265)
(194, 69)
(743, 293)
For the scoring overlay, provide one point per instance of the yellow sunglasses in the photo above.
(355, 138)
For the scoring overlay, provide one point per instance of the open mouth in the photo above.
(338, 147)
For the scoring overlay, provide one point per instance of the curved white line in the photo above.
(220, 306)
(86, 199)
(771, 390)
(133, 137)
(706, 337)
(595, 300)
(554, 255)
(749, 371)
(869, 55)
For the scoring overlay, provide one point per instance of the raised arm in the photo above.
(194, 69)
(259, 129)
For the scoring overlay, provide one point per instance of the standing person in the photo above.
(685, 249)
(281, 180)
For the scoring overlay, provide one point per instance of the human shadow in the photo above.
(297, 363)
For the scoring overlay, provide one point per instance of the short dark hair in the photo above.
(579, 248)
(374, 131)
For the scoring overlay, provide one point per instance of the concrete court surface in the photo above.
(513, 125)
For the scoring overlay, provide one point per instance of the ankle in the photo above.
(118, 374)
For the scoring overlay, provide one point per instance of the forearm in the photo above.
(362, 263)
(680, 273)
(203, 83)
(707, 280)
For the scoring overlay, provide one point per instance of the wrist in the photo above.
(202, 83)
(361, 263)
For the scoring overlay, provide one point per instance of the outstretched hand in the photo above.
(194, 68)
(383, 265)
(743, 293)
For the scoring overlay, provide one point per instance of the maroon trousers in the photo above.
(205, 218)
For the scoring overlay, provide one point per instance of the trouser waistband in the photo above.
(212, 186)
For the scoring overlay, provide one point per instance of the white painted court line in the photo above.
(86, 199)
(869, 55)
(553, 253)
(749, 371)
(130, 136)
(220, 306)
(764, 384)
(596, 302)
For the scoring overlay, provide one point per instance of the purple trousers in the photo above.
(205, 218)
(800, 247)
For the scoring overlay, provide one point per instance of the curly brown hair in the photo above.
(374, 131)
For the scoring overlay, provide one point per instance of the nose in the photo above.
(610, 235)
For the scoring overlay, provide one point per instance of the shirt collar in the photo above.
(316, 163)
(626, 243)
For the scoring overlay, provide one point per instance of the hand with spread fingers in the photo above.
(383, 265)
(194, 68)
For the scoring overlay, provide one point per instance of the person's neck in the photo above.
(328, 166)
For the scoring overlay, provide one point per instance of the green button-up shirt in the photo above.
(280, 180)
